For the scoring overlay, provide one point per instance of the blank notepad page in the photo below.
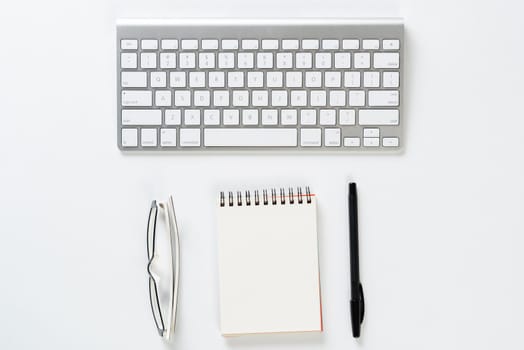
(268, 268)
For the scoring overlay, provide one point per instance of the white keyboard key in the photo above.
(310, 137)
(352, 141)
(371, 142)
(293, 79)
(390, 142)
(249, 44)
(187, 60)
(313, 79)
(264, 60)
(229, 44)
(371, 79)
(288, 117)
(209, 44)
(370, 44)
(190, 44)
(141, 117)
(388, 60)
(168, 60)
(352, 79)
(310, 44)
(290, 44)
(148, 138)
(221, 98)
(383, 98)
(158, 79)
(172, 117)
(361, 60)
(231, 116)
(332, 79)
(226, 60)
(177, 79)
(259, 98)
(332, 137)
(148, 60)
(330, 44)
(323, 60)
(342, 60)
(137, 98)
(269, 117)
(182, 98)
(357, 98)
(284, 60)
(192, 117)
(390, 79)
(197, 79)
(163, 98)
(129, 137)
(169, 44)
(304, 60)
(350, 44)
(240, 98)
(133, 79)
(346, 117)
(371, 132)
(255, 79)
(217, 79)
(250, 117)
(378, 117)
(250, 137)
(206, 60)
(211, 117)
(235, 79)
(279, 98)
(128, 60)
(168, 137)
(269, 44)
(298, 98)
(328, 117)
(274, 79)
(308, 117)
(390, 44)
(149, 44)
(317, 98)
(190, 137)
(246, 60)
(201, 98)
(129, 44)
(337, 98)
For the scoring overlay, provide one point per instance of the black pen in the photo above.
(357, 293)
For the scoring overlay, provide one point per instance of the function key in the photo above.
(250, 44)
(330, 44)
(370, 44)
(390, 44)
(350, 44)
(129, 44)
(270, 44)
(191, 44)
(310, 44)
(210, 44)
(169, 44)
(149, 44)
(229, 44)
(290, 44)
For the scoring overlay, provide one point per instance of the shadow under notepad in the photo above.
(299, 338)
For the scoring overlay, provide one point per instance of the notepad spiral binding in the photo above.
(281, 199)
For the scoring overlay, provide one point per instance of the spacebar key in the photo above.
(245, 137)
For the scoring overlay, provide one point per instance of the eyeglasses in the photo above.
(165, 329)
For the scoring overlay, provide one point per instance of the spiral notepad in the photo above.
(268, 262)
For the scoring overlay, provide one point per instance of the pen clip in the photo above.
(361, 302)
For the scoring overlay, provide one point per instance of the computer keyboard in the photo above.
(287, 84)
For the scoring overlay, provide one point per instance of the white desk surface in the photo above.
(442, 227)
